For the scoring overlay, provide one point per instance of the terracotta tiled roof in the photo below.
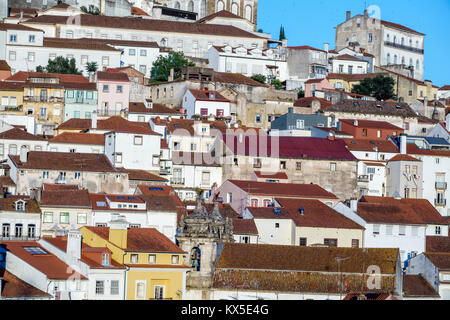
(157, 108)
(244, 226)
(368, 145)
(348, 57)
(112, 76)
(306, 102)
(414, 150)
(236, 78)
(220, 14)
(6, 181)
(305, 48)
(389, 213)
(142, 240)
(156, 190)
(188, 125)
(76, 44)
(4, 66)
(59, 187)
(422, 207)
(316, 214)
(438, 244)
(11, 86)
(203, 95)
(142, 175)
(289, 147)
(277, 175)
(14, 26)
(296, 258)
(79, 138)
(445, 88)
(439, 259)
(9, 204)
(403, 157)
(116, 42)
(159, 203)
(48, 264)
(66, 198)
(19, 134)
(100, 202)
(353, 77)
(399, 109)
(398, 26)
(87, 162)
(115, 123)
(138, 11)
(302, 191)
(414, 285)
(371, 124)
(22, 76)
(15, 288)
(156, 25)
(89, 255)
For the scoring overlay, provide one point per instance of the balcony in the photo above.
(164, 171)
(401, 46)
(43, 99)
(24, 238)
(177, 181)
(441, 185)
(440, 202)
(363, 178)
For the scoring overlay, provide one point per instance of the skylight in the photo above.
(36, 251)
(155, 188)
(101, 204)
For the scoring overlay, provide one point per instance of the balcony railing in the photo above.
(177, 181)
(23, 238)
(43, 116)
(164, 171)
(441, 185)
(440, 202)
(43, 99)
(363, 178)
(402, 46)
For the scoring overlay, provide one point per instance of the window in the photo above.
(206, 178)
(13, 149)
(132, 52)
(76, 115)
(69, 34)
(193, 147)
(229, 197)
(254, 202)
(376, 229)
(105, 61)
(258, 118)
(401, 230)
(137, 140)
(298, 166)
(277, 225)
(5, 230)
(282, 165)
(18, 230)
(350, 69)
(82, 218)
(64, 217)
(77, 175)
(2, 149)
(12, 55)
(159, 292)
(355, 243)
(105, 88)
(114, 287)
(134, 258)
(151, 259)
(140, 290)
(256, 163)
(143, 53)
(300, 124)
(175, 259)
(437, 230)
(48, 217)
(302, 242)
(105, 259)
(99, 287)
(119, 89)
(142, 69)
(333, 166)
(31, 38)
(267, 202)
(370, 37)
(330, 242)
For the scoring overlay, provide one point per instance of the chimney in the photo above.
(118, 229)
(354, 204)
(326, 46)
(74, 244)
(348, 15)
(23, 154)
(403, 137)
(355, 123)
(171, 76)
(94, 120)
(366, 13)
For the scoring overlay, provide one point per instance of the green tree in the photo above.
(91, 67)
(60, 65)
(259, 77)
(91, 10)
(260, 30)
(301, 93)
(162, 66)
(381, 87)
(277, 84)
(282, 33)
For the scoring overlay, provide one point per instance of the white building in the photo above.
(346, 63)
(268, 62)
(20, 218)
(205, 103)
(13, 140)
(442, 130)
(444, 92)
(77, 142)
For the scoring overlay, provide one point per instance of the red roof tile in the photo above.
(59, 187)
(142, 175)
(14, 26)
(368, 145)
(244, 226)
(414, 285)
(79, 138)
(306, 102)
(414, 150)
(19, 134)
(4, 66)
(63, 78)
(305, 48)
(371, 124)
(277, 175)
(112, 76)
(220, 14)
(209, 95)
(15, 288)
(138, 11)
(142, 240)
(403, 157)
(157, 108)
(65, 198)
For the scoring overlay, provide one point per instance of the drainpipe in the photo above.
(125, 277)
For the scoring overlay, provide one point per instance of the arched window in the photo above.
(248, 13)
(395, 39)
(177, 5)
(395, 59)
(410, 62)
(410, 42)
(403, 41)
(388, 58)
(417, 43)
(403, 60)
(388, 37)
(220, 6)
(203, 9)
(190, 6)
(235, 8)
(417, 64)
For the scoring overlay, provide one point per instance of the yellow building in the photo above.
(154, 264)
(11, 95)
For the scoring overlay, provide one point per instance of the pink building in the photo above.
(316, 84)
(113, 93)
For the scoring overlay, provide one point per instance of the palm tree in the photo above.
(91, 67)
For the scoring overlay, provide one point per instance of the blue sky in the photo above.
(312, 23)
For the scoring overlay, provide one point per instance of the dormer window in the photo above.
(105, 259)
(20, 206)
